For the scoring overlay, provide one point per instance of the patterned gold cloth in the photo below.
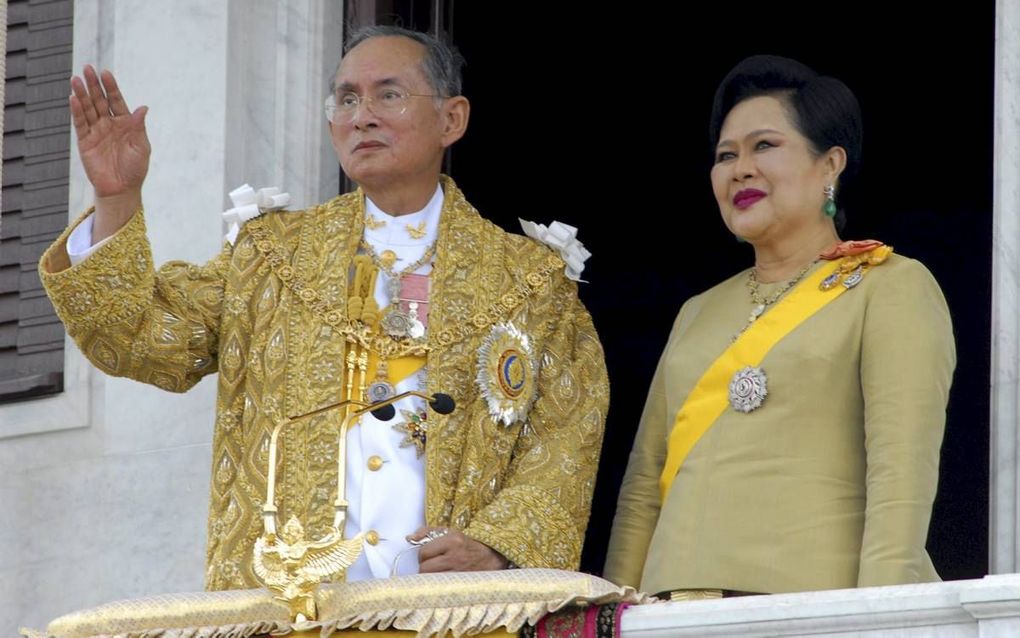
(523, 489)
(457, 604)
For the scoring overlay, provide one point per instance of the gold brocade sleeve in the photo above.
(539, 517)
(130, 321)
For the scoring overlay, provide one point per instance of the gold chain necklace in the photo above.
(395, 321)
(761, 304)
(385, 346)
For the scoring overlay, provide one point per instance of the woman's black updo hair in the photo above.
(823, 109)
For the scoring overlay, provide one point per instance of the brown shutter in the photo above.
(36, 148)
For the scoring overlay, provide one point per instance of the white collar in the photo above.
(395, 232)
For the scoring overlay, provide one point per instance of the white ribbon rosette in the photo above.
(563, 239)
(249, 204)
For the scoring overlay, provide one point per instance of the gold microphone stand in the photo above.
(290, 565)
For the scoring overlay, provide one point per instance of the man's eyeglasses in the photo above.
(385, 103)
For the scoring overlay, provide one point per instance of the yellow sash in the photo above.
(396, 369)
(710, 396)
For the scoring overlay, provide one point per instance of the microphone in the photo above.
(384, 412)
(442, 403)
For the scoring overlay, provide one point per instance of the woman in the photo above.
(790, 440)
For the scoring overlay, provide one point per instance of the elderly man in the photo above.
(398, 286)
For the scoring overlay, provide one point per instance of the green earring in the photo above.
(829, 209)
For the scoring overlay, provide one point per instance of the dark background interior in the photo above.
(598, 118)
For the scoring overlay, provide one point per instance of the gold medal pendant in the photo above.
(380, 389)
(388, 258)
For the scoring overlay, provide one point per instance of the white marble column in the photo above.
(105, 489)
(1004, 551)
(281, 58)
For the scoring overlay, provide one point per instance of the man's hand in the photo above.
(455, 552)
(113, 146)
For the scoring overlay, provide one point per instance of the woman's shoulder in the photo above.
(894, 285)
(876, 265)
(899, 272)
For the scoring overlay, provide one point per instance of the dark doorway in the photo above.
(599, 119)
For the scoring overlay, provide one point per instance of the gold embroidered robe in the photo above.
(524, 489)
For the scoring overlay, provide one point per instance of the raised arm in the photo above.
(113, 146)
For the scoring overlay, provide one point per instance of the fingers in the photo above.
(434, 544)
(444, 554)
(435, 541)
(138, 117)
(96, 91)
(428, 534)
(81, 127)
(116, 99)
(88, 109)
(438, 547)
(436, 564)
(98, 94)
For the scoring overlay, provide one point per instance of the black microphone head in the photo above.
(442, 403)
(384, 412)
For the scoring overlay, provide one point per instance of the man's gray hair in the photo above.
(442, 63)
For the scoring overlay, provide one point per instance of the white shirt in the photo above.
(389, 501)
